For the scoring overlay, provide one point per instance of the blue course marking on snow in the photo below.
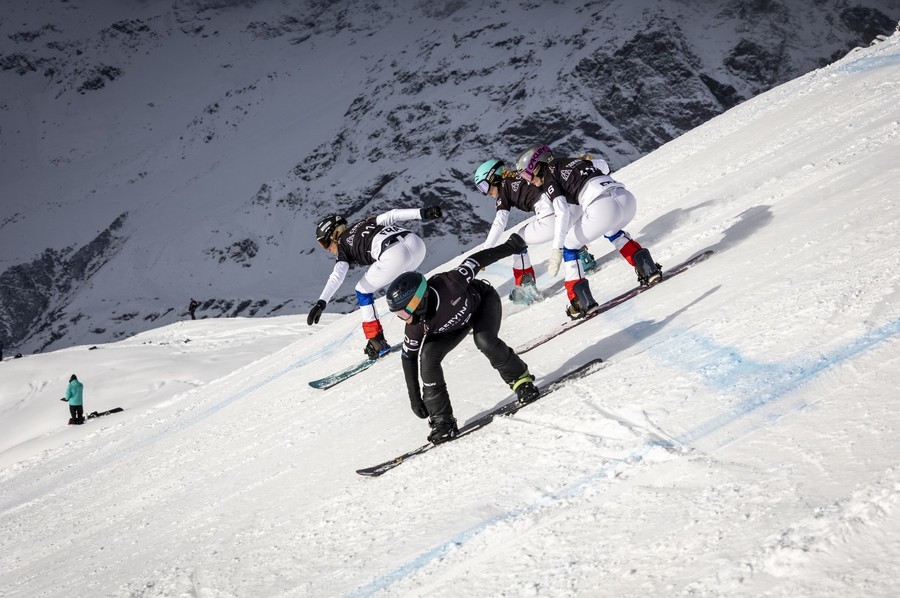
(761, 384)
(868, 63)
(766, 383)
(180, 424)
(183, 423)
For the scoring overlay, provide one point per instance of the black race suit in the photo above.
(517, 193)
(457, 303)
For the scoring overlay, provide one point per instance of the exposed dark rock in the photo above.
(33, 295)
(241, 252)
(100, 75)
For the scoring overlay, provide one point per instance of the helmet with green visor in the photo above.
(489, 174)
(406, 296)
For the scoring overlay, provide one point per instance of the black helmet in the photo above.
(407, 292)
(325, 229)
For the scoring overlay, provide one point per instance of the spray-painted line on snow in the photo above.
(182, 423)
(763, 383)
(738, 374)
(177, 425)
(868, 63)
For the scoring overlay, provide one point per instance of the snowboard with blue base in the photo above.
(483, 420)
(618, 300)
(338, 377)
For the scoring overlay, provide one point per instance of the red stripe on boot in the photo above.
(629, 249)
(518, 274)
(570, 288)
(371, 329)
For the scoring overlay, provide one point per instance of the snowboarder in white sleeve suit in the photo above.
(509, 191)
(606, 207)
(376, 242)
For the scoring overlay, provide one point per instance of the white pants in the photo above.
(538, 230)
(604, 215)
(403, 256)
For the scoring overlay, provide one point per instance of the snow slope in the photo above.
(151, 152)
(742, 440)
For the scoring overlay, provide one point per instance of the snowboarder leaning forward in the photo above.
(439, 312)
(511, 191)
(605, 206)
(388, 250)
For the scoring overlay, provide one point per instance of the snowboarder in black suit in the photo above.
(439, 312)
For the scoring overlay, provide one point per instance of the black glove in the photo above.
(316, 312)
(64, 399)
(516, 243)
(418, 407)
(431, 212)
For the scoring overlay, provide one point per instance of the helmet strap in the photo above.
(416, 299)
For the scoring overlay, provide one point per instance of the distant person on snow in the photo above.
(509, 191)
(388, 250)
(439, 312)
(74, 396)
(606, 206)
(192, 307)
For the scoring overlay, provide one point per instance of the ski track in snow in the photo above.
(740, 441)
(759, 384)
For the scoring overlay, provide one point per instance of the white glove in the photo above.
(554, 261)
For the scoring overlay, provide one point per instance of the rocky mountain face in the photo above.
(152, 152)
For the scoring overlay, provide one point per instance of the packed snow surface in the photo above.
(742, 439)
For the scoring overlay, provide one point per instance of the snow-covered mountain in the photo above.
(152, 152)
(741, 440)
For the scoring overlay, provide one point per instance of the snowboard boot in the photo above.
(576, 308)
(377, 346)
(526, 293)
(648, 271)
(573, 309)
(442, 430)
(588, 263)
(526, 391)
(582, 290)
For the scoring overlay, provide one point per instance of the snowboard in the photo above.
(347, 373)
(94, 414)
(618, 300)
(481, 421)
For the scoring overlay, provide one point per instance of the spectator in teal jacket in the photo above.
(75, 399)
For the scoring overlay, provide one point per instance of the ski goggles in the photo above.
(528, 177)
(484, 184)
